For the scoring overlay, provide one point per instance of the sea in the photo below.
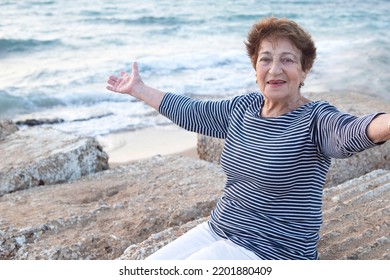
(56, 55)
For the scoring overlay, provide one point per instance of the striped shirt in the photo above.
(275, 167)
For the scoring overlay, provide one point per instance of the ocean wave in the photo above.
(188, 62)
(42, 3)
(250, 18)
(11, 105)
(142, 20)
(23, 45)
(43, 99)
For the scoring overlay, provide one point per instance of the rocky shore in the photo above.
(60, 199)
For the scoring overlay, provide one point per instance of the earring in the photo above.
(301, 84)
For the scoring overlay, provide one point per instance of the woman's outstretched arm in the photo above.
(379, 128)
(133, 85)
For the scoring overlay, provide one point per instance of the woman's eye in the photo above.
(287, 60)
(264, 59)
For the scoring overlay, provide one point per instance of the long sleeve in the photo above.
(338, 134)
(205, 117)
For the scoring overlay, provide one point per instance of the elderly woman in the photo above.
(278, 149)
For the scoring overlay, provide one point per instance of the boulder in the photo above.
(100, 215)
(356, 223)
(7, 127)
(341, 170)
(40, 156)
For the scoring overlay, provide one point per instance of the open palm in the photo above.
(126, 83)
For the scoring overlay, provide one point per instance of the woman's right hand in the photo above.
(133, 85)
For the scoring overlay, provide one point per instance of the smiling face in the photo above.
(279, 70)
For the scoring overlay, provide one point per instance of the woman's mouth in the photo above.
(276, 82)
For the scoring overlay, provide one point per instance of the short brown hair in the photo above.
(274, 28)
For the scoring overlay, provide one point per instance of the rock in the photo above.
(7, 127)
(144, 249)
(357, 219)
(100, 215)
(34, 122)
(210, 148)
(341, 170)
(40, 156)
(133, 210)
(356, 222)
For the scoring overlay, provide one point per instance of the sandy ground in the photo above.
(124, 147)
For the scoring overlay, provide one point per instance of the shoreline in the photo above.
(128, 146)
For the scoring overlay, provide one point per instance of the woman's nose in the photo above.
(275, 68)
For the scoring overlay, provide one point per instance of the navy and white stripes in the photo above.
(275, 168)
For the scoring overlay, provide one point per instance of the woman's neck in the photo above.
(276, 108)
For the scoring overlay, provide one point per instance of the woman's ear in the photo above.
(305, 75)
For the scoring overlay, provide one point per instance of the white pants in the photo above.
(200, 243)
